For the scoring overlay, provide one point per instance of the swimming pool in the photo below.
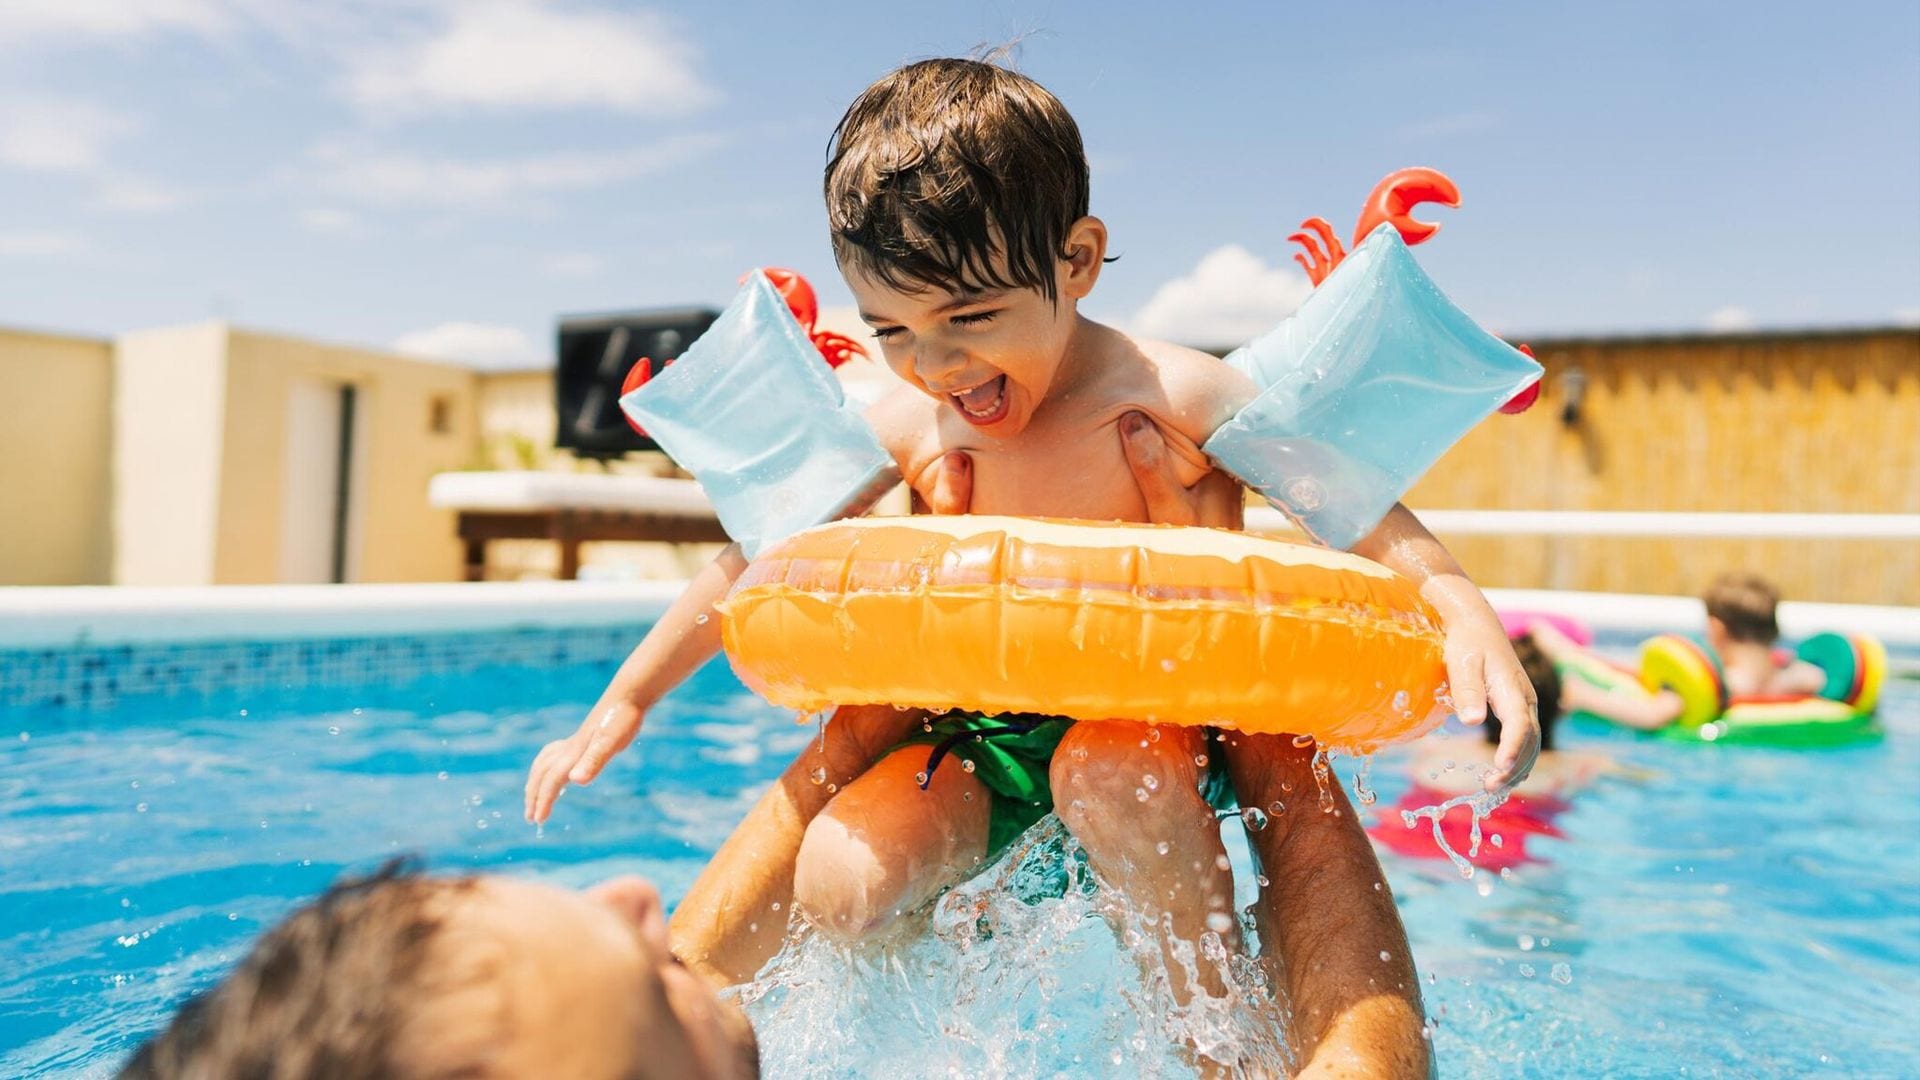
(1748, 912)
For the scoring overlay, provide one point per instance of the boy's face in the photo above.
(991, 356)
(547, 981)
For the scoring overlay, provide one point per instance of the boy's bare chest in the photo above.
(1077, 472)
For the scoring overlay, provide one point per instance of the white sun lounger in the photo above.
(570, 509)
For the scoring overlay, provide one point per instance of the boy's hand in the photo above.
(1482, 669)
(579, 757)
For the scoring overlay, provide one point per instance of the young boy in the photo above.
(1741, 630)
(957, 195)
(398, 975)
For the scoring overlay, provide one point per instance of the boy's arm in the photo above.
(1481, 665)
(686, 637)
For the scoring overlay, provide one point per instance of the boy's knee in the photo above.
(837, 881)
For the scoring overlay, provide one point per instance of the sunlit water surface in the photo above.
(1744, 912)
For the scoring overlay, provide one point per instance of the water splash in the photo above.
(1480, 803)
(1323, 777)
(1015, 973)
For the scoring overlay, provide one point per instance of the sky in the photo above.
(449, 177)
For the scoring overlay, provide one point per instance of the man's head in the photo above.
(1741, 608)
(407, 976)
(1546, 690)
(957, 195)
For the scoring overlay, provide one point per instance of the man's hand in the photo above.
(1214, 500)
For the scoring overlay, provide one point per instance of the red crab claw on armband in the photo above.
(1523, 400)
(836, 349)
(797, 292)
(1318, 256)
(1394, 198)
(637, 377)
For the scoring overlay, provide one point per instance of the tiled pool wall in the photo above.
(100, 676)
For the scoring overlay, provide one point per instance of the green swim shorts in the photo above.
(1011, 755)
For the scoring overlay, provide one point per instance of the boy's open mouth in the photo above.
(984, 404)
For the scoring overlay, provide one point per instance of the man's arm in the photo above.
(1326, 915)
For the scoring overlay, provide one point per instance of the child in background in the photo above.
(1742, 631)
(1445, 769)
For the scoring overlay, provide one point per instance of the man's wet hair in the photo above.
(326, 993)
(942, 165)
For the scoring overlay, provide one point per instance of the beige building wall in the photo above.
(169, 399)
(415, 418)
(1821, 422)
(56, 415)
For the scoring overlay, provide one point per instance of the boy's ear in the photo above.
(1085, 253)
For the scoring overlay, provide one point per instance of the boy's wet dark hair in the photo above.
(1746, 605)
(943, 164)
(1546, 690)
(324, 994)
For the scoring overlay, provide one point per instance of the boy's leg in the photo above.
(1162, 851)
(884, 846)
(1328, 927)
(734, 917)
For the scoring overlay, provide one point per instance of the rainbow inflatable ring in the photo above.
(1842, 713)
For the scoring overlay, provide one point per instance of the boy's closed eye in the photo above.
(972, 318)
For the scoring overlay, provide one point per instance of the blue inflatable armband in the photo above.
(755, 415)
(1362, 390)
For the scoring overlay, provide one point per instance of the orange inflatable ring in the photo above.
(1094, 621)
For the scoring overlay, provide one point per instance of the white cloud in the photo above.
(327, 219)
(41, 245)
(395, 178)
(131, 195)
(477, 345)
(51, 135)
(1231, 296)
(1730, 319)
(24, 19)
(572, 264)
(516, 54)
(1907, 316)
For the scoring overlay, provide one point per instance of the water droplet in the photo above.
(967, 765)
(1385, 955)
(1261, 880)
(700, 619)
(966, 796)
(1276, 808)
(233, 916)
(356, 712)
(1153, 734)
(1200, 760)
(1526, 971)
(1163, 847)
(752, 926)
(1140, 794)
(918, 778)
(140, 808)
(1400, 700)
(1561, 973)
(776, 905)
(1221, 862)
(1495, 840)
(333, 729)
(1525, 942)
(1253, 818)
(1079, 753)
(818, 775)
(1167, 665)
(24, 736)
(1150, 782)
(263, 824)
(480, 823)
(1219, 922)
(441, 775)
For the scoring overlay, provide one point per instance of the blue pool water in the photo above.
(1742, 912)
